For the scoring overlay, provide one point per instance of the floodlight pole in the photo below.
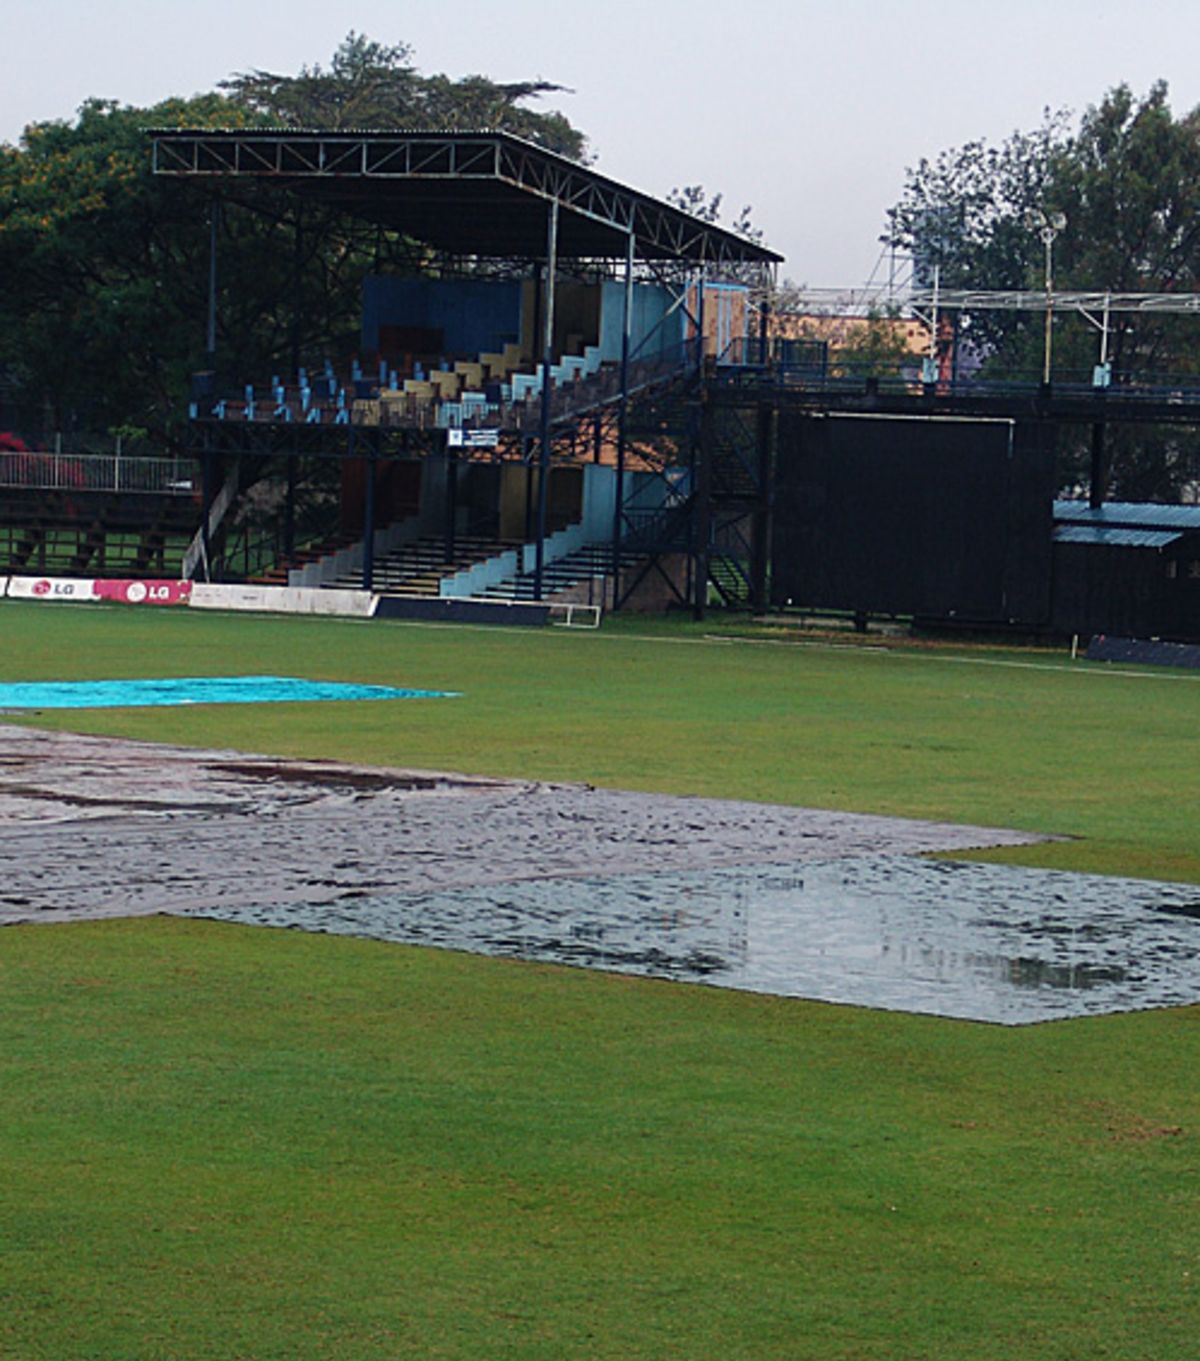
(547, 365)
(1047, 225)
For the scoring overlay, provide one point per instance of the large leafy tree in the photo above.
(1127, 181)
(372, 85)
(105, 266)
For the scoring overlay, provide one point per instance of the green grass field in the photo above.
(224, 1142)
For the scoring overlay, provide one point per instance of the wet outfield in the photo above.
(798, 902)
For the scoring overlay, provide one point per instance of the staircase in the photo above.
(417, 568)
(573, 569)
(730, 576)
(277, 575)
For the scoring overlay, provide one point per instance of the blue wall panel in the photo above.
(474, 315)
(653, 330)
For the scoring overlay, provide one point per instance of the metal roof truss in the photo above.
(427, 180)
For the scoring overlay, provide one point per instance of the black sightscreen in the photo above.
(931, 517)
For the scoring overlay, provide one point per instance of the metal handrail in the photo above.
(46, 471)
(752, 361)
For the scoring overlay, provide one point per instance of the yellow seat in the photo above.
(471, 374)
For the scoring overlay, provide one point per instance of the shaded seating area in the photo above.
(527, 290)
(426, 391)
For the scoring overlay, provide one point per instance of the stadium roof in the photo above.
(468, 193)
(1110, 537)
(1143, 515)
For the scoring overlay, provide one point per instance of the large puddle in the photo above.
(948, 938)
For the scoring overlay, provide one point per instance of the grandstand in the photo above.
(522, 415)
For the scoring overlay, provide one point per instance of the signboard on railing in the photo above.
(87, 590)
(283, 599)
(75, 589)
(457, 438)
(143, 592)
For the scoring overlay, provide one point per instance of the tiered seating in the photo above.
(594, 560)
(418, 568)
(426, 390)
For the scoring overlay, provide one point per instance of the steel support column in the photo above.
(622, 421)
(761, 546)
(450, 526)
(210, 342)
(702, 502)
(547, 365)
(207, 478)
(530, 480)
(700, 322)
(289, 506)
(368, 563)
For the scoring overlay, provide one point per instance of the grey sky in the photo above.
(809, 112)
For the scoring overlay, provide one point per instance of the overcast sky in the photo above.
(808, 112)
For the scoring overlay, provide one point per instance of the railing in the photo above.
(795, 356)
(98, 472)
(568, 398)
(800, 365)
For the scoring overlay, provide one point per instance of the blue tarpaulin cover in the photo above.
(120, 694)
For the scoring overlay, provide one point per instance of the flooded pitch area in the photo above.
(797, 902)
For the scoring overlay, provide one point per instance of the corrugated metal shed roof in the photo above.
(1128, 515)
(1116, 537)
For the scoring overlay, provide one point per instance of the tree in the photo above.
(963, 214)
(371, 85)
(695, 200)
(1127, 180)
(102, 266)
(105, 265)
